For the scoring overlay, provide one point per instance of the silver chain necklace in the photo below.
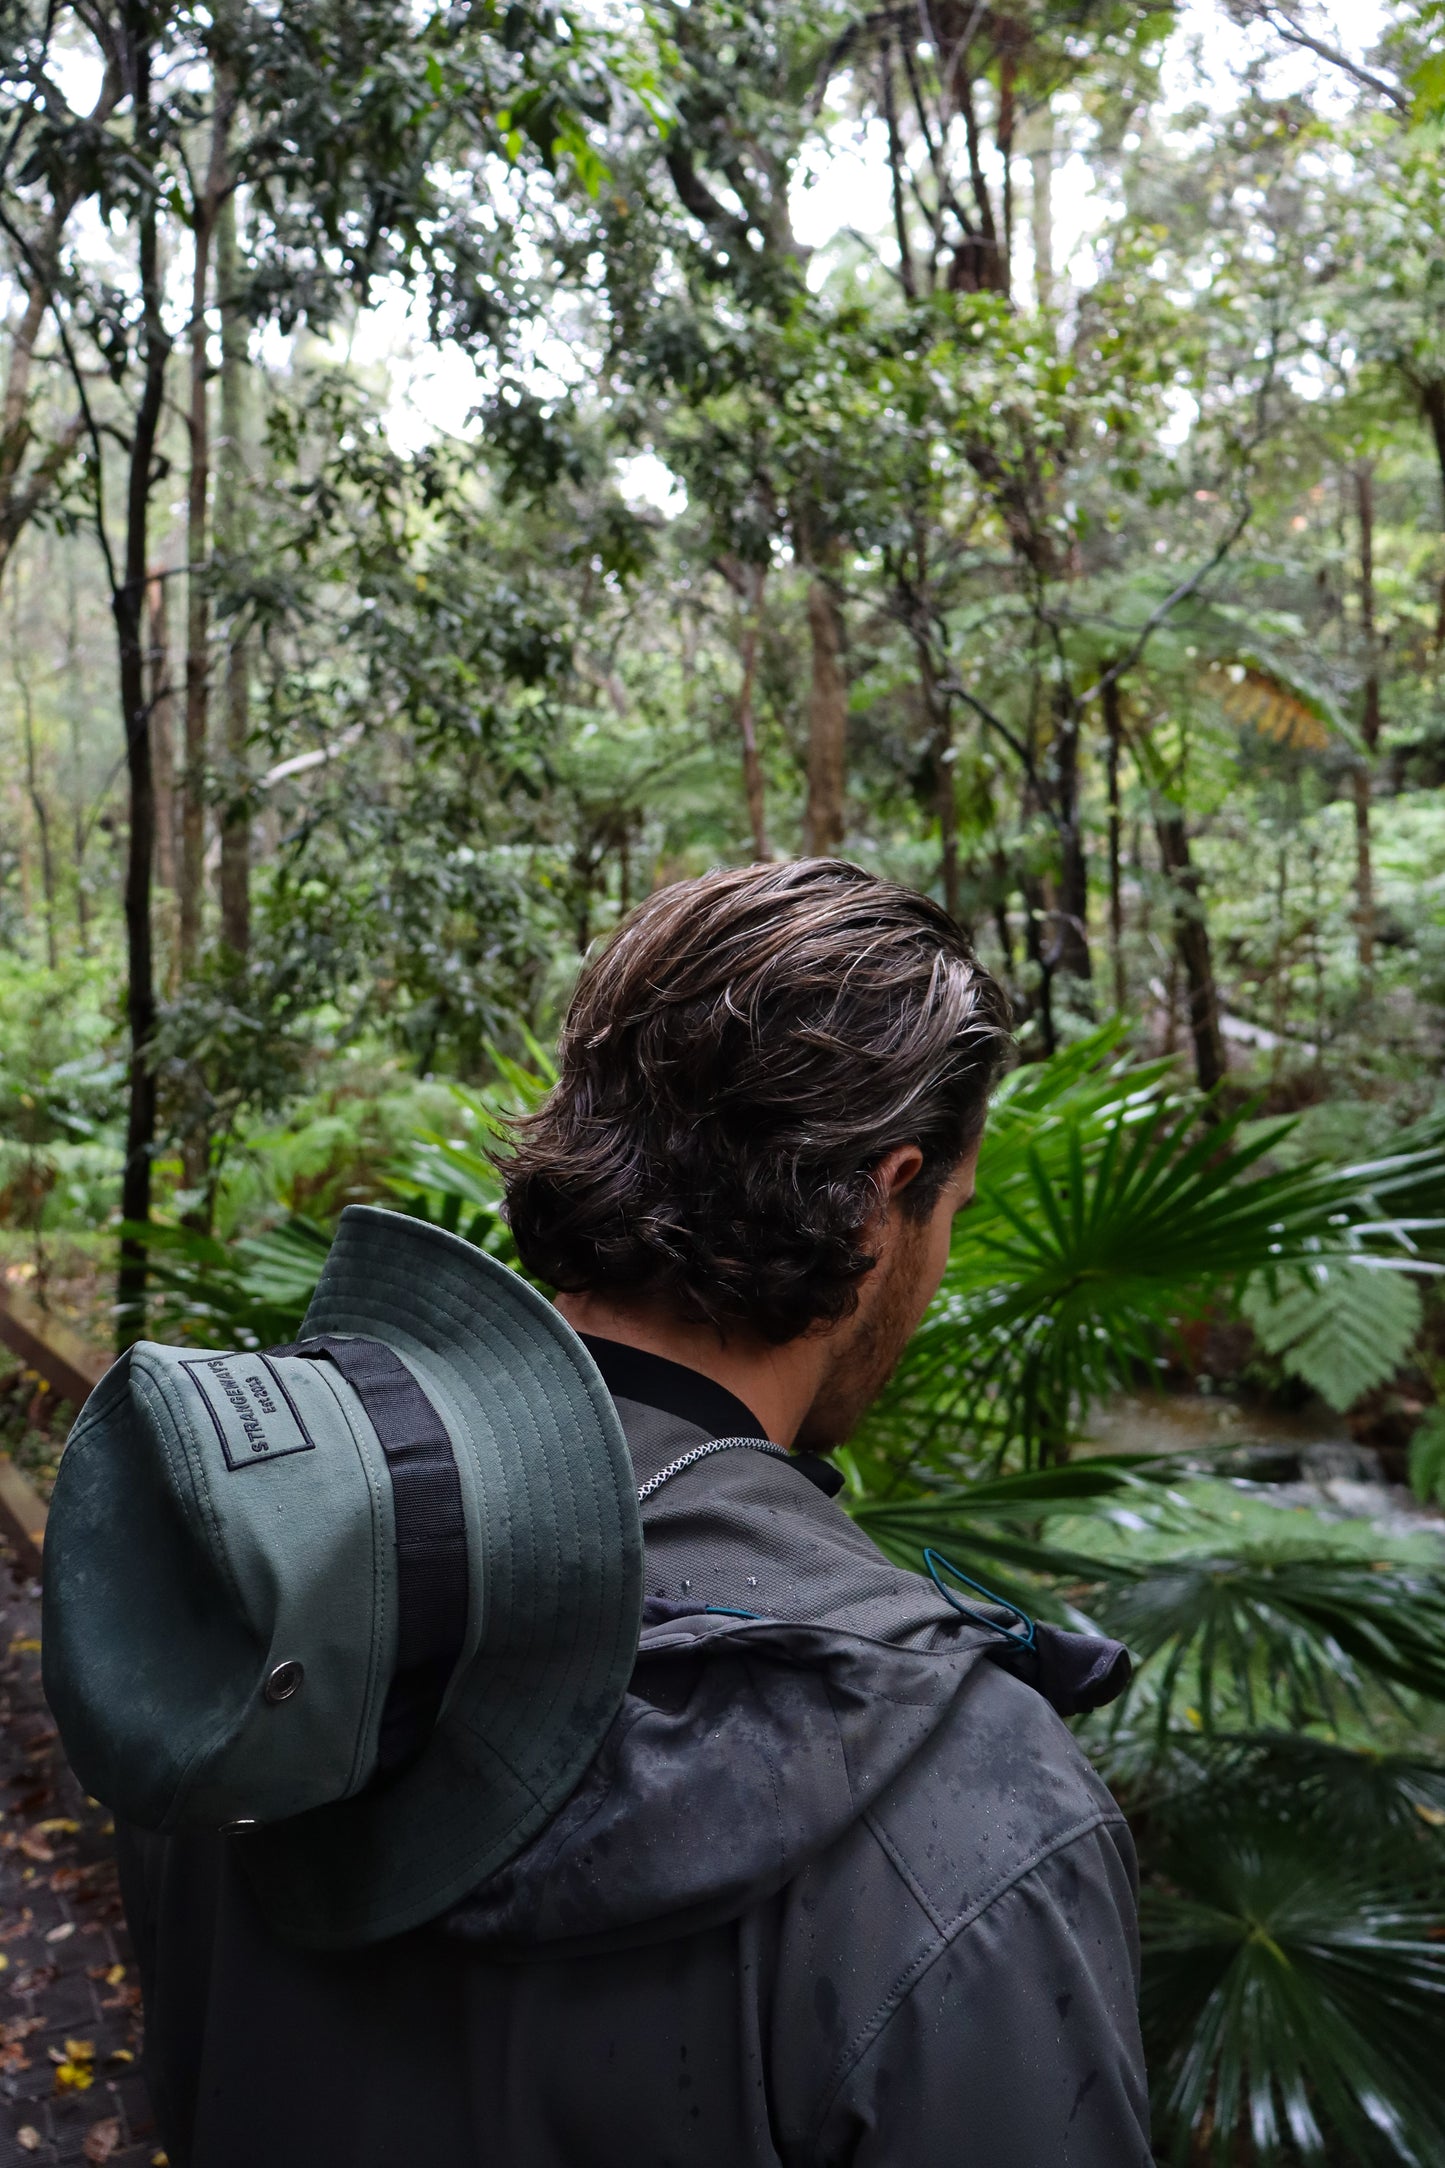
(701, 1452)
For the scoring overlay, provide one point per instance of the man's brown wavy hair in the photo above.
(734, 1065)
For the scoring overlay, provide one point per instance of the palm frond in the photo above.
(250, 1293)
(1258, 1630)
(1101, 1223)
(1294, 1996)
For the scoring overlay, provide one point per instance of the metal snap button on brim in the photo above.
(284, 1681)
(238, 1828)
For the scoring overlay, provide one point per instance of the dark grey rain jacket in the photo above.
(840, 1888)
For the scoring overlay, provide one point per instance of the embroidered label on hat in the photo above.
(255, 1417)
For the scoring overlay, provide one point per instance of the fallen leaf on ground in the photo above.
(58, 1825)
(102, 2139)
(62, 1933)
(80, 2051)
(25, 1644)
(36, 1848)
(27, 2137)
(73, 2077)
(120, 2055)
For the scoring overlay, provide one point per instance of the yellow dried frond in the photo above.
(1252, 697)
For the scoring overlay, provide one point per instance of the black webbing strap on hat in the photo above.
(431, 1540)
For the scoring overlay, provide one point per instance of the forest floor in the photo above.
(70, 2083)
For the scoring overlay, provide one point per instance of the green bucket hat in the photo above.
(368, 1603)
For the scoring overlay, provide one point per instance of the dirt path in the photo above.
(70, 2085)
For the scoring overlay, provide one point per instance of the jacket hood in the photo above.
(744, 1749)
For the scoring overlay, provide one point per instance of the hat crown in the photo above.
(242, 1564)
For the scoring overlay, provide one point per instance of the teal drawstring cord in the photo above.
(938, 1565)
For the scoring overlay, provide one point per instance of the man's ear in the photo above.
(895, 1170)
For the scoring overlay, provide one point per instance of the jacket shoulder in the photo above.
(970, 1948)
(1000, 1785)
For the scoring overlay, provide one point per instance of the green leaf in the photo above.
(1428, 83)
(1341, 1327)
(1427, 1458)
(1270, 1627)
(1294, 1990)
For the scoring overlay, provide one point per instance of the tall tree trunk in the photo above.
(824, 817)
(1113, 726)
(41, 810)
(1370, 724)
(941, 749)
(1041, 207)
(163, 742)
(25, 491)
(230, 526)
(193, 770)
(198, 610)
(73, 702)
(1035, 947)
(907, 271)
(128, 606)
(1007, 109)
(1000, 912)
(1431, 394)
(752, 766)
(1191, 937)
(1071, 937)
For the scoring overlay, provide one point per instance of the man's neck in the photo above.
(778, 1384)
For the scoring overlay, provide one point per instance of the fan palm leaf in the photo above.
(1294, 2001)
(1099, 1223)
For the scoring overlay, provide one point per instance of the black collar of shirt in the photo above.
(631, 1373)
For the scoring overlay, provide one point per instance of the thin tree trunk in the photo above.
(128, 605)
(1041, 208)
(77, 819)
(1008, 74)
(1071, 942)
(1113, 726)
(1035, 919)
(752, 766)
(41, 811)
(198, 611)
(1191, 936)
(193, 772)
(1000, 913)
(824, 821)
(1432, 402)
(25, 492)
(907, 272)
(230, 514)
(163, 742)
(1364, 868)
(940, 735)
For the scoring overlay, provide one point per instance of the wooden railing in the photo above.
(71, 1368)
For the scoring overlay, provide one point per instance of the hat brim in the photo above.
(561, 1547)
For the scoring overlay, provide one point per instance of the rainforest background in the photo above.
(463, 467)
